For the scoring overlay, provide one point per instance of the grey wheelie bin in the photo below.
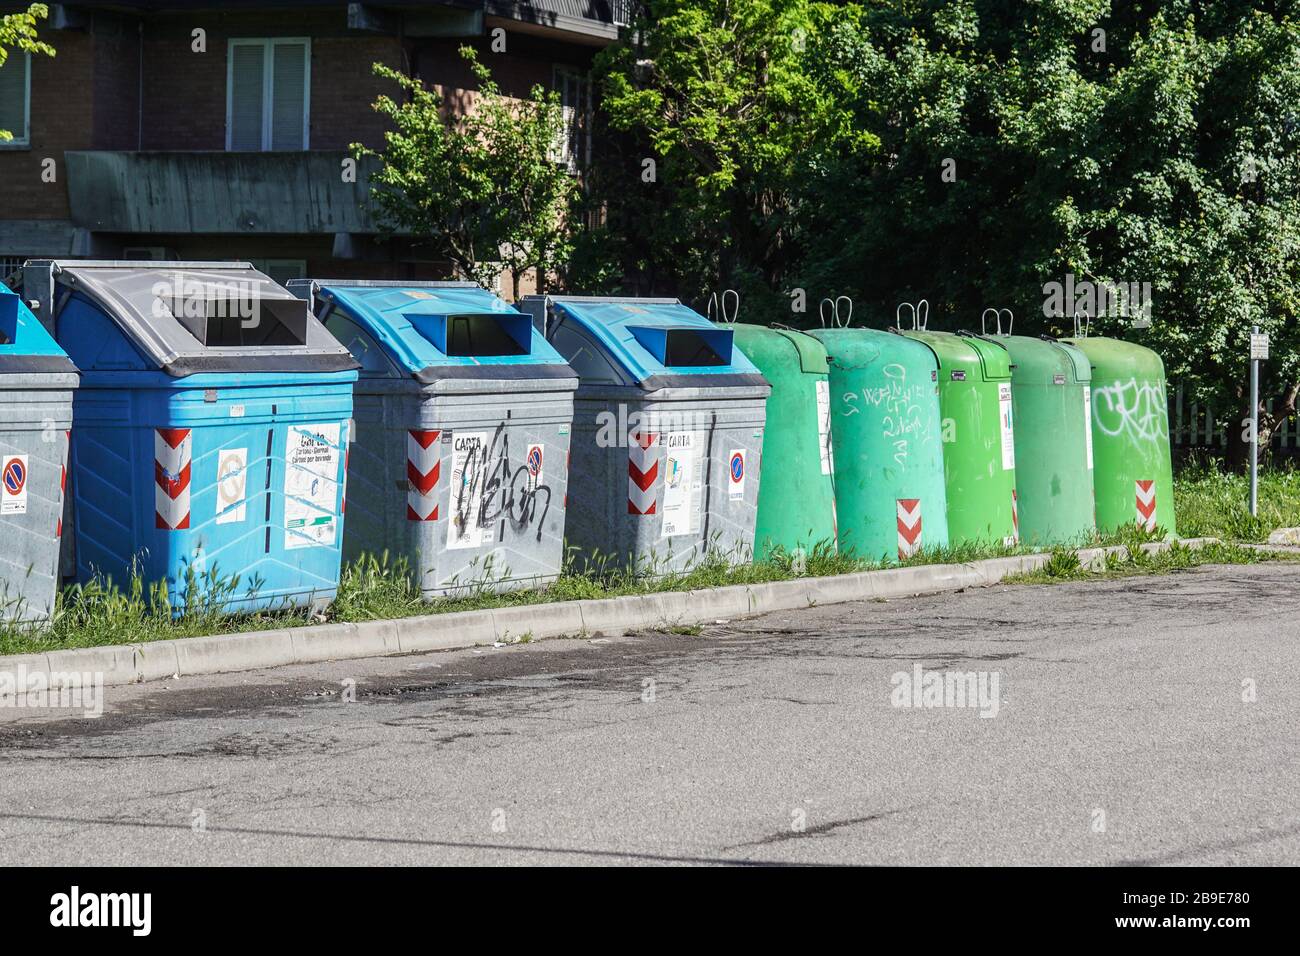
(463, 412)
(668, 432)
(37, 382)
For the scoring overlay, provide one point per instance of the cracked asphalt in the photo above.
(1123, 735)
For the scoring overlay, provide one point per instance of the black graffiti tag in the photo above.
(492, 488)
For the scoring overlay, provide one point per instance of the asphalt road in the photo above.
(1121, 736)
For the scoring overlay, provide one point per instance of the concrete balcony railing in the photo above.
(218, 193)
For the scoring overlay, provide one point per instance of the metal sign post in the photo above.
(1258, 352)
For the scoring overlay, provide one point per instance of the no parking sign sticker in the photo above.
(534, 461)
(736, 474)
(13, 485)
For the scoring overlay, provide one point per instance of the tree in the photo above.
(483, 189)
(18, 32)
(971, 152)
(716, 114)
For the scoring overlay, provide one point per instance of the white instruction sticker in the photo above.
(232, 485)
(311, 485)
(824, 427)
(1008, 434)
(468, 477)
(13, 485)
(1087, 422)
(681, 486)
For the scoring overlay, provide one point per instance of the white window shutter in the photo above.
(289, 96)
(247, 95)
(13, 95)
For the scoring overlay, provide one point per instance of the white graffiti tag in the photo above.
(901, 415)
(1134, 410)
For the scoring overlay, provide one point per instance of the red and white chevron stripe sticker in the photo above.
(172, 451)
(909, 527)
(1015, 517)
(1146, 505)
(63, 488)
(642, 472)
(423, 469)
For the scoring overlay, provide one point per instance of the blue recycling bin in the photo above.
(463, 412)
(211, 432)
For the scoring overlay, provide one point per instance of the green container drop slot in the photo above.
(890, 498)
(796, 499)
(1133, 474)
(979, 458)
(1052, 411)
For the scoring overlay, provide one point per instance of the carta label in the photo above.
(958, 375)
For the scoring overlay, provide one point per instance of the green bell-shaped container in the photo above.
(1133, 475)
(885, 432)
(1051, 409)
(796, 496)
(979, 456)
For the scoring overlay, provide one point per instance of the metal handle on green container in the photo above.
(725, 317)
(920, 315)
(837, 321)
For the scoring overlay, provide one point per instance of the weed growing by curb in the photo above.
(1064, 565)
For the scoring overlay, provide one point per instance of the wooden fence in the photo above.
(1192, 425)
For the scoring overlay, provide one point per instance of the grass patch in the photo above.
(685, 630)
(1209, 501)
(1064, 565)
(382, 588)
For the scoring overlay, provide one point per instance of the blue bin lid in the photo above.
(25, 345)
(659, 343)
(440, 330)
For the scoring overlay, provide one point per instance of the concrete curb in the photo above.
(253, 650)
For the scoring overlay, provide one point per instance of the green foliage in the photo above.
(721, 99)
(481, 189)
(1122, 143)
(18, 32)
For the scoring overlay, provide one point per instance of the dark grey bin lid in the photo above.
(197, 317)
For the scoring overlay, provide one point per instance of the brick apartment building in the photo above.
(205, 130)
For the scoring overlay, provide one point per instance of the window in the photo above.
(575, 100)
(281, 270)
(16, 99)
(10, 267)
(268, 94)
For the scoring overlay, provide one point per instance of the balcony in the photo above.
(586, 21)
(598, 19)
(217, 193)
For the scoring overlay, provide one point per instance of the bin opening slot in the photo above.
(8, 319)
(685, 348)
(476, 333)
(231, 320)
